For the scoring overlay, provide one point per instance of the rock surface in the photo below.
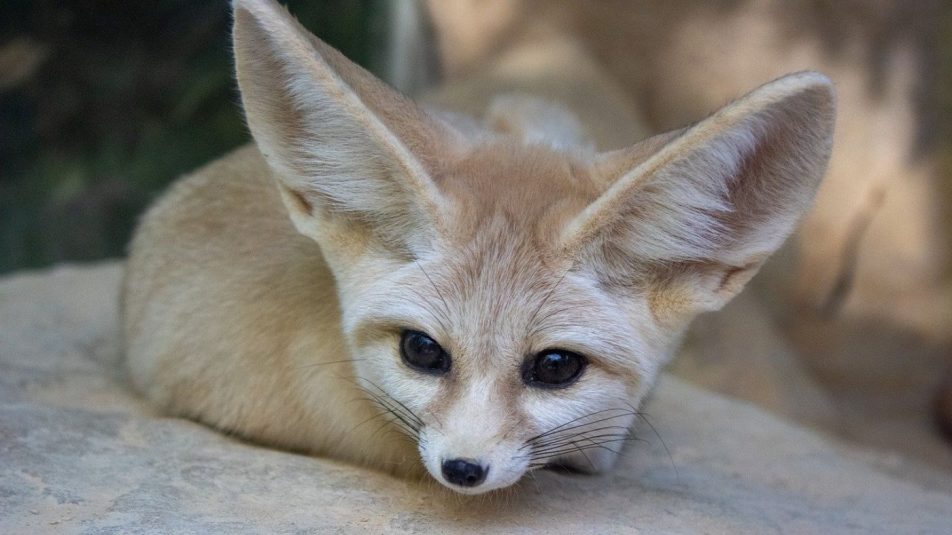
(80, 454)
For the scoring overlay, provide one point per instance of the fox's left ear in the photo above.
(350, 154)
(703, 210)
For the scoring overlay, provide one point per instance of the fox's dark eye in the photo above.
(553, 368)
(423, 354)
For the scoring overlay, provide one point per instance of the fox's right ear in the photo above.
(350, 153)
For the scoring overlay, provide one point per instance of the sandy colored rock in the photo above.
(80, 454)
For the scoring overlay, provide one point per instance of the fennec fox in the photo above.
(499, 293)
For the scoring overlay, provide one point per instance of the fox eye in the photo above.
(423, 354)
(553, 368)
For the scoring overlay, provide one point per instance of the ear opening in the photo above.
(718, 198)
(341, 143)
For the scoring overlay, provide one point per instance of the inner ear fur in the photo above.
(701, 209)
(341, 143)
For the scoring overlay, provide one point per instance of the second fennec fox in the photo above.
(502, 294)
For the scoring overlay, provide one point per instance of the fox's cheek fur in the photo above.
(584, 428)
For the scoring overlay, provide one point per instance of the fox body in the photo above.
(413, 289)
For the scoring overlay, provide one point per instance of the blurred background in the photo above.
(103, 103)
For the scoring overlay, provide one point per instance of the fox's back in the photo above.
(218, 284)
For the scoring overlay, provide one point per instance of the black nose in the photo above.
(464, 472)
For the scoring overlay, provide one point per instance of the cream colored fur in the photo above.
(266, 293)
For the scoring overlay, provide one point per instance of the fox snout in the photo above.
(475, 475)
(495, 467)
(464, 472)
(471, 474)
(472, 459)
(472, 446)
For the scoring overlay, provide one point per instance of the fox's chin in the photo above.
(506, 474)
(499, 477)
(485, 488)
(564, 466)
(472, 491)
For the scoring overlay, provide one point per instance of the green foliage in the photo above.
(128, 96)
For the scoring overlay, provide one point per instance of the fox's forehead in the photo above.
(536, 189)
(500, 298)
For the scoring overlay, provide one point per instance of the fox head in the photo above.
(509, 299)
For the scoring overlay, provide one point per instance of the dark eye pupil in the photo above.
(554, 368)
(422, 353)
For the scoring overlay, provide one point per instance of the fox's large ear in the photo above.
(698, 211)
(344, 146)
